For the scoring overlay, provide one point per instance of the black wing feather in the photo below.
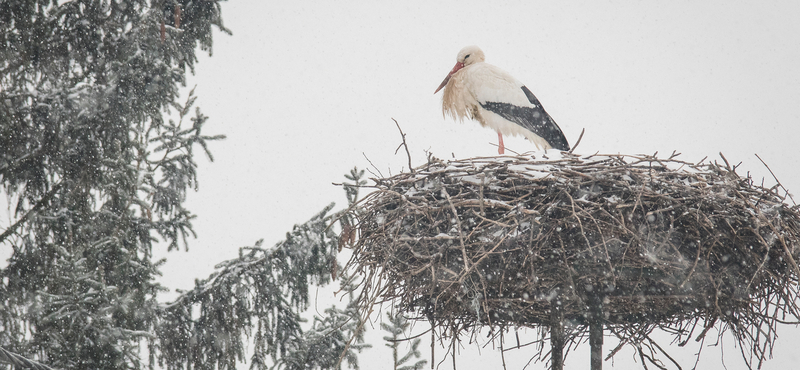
(534, 119)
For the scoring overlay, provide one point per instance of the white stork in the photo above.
(483, 92)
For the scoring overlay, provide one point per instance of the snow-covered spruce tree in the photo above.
(259, 301)
(92, 171)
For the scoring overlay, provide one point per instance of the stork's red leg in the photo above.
(500, 148)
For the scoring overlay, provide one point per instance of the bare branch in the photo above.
(410, 167)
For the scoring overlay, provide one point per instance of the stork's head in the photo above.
(470, 55)
(467, 56)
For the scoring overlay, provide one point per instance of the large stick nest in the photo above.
(658, 242)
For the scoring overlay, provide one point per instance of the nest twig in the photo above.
(661, 243)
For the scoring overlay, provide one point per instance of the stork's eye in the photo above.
(465, 58)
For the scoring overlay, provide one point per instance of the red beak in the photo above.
(458, 66)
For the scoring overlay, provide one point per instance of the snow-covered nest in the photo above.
(660, 242)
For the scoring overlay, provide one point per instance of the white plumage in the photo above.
(478, 90)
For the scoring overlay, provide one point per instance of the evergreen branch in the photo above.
(21, 362)
(6, 169)
(27, 215)
(270, 286)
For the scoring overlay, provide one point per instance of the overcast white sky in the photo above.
(305, 89)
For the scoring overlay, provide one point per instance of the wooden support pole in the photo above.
(596, 344)
(556, 337)
(596, 331)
